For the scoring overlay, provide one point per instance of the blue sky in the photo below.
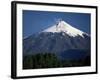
(36, 21)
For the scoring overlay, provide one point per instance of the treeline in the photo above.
(41, 60)
(50, 60)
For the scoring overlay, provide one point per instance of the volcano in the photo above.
(61, 39)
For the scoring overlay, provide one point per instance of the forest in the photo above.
(51, 60)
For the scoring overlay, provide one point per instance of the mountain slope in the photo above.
(57, 39)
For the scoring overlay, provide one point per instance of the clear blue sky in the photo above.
(36, 21)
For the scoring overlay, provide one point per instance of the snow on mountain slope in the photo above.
(62, 26)
(57, 39)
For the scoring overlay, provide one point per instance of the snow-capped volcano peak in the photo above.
(62, 26)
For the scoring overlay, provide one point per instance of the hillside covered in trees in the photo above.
(50, 60)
